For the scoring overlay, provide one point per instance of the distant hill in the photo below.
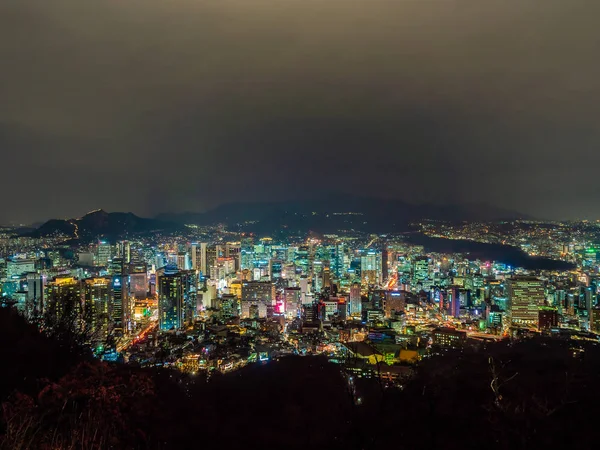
(339, 213)
(103, 224)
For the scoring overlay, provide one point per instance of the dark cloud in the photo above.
(153, 105)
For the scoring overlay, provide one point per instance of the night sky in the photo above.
(169, 105)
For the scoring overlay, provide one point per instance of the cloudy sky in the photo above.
(170, 105)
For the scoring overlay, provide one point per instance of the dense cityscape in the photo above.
(209, 299)
(299, 224)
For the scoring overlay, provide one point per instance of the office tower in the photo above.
(36, 285)
(355, 300)
(170, 299)
(453, 301)
(420, 269)
(96, 302)
(116, 266)
(595, 320)
(292, 302)
(259, 294)
(18, 267)
(63, 299)
(394, 303)
(183, 261)
(326, 278)
(103, 254)
(224, 267)
(138, 282)
(124, 251)
(119, 308)
(275, 269)
(342, 312)
(201, 258)
(189, 281)
(177, 297)
(233, 250)
(370, 267)
(384, 264)
(525, 296)
(211, 257)
(194, 253)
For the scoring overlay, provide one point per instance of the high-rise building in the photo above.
(119, 308)
(96, 304)
(18, 267)
(201, 263)
(63, 299)
(275, 269)
(395, 302)
(36, 285)
(211, 257)
(124, 251)
(370, 267)
(259, 294)
(326, 278)
(194, 256)
(292, 302)
(420, 269)
(169, 287)
(183, 261)
(116, 266)
(453, 301)
(355, 300)
(177, 297)
(525, 296)
(595, 320)
(138, 284)
(224, 267)
(103, 254)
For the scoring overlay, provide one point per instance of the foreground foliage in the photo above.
(531, 394)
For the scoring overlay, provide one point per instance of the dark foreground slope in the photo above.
(534, 394)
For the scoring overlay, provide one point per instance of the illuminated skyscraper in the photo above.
(36, 285)
(96, 302)
(177, 297)
(138, 282)
(370, 267)
(355, 300)
(292, 302)
(124, 251)
(453, 301)
(63, 298)
(103, 254)
(119, 311)
(170, 300)
(183, 261)
(525, 296)
(275, 268)
(194, 256)
(211, 258)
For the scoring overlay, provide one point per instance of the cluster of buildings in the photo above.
(222, 298)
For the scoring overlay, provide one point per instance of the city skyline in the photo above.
(157, 107)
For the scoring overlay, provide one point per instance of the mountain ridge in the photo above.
(343, 212)
(100, 223)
